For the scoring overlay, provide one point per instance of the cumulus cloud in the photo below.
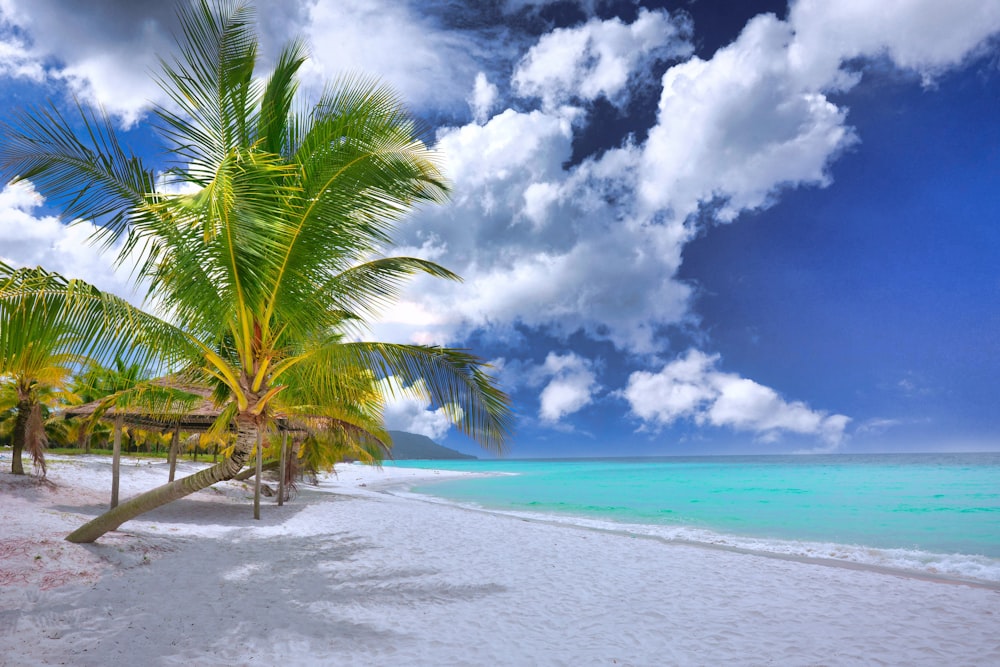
(429, 65)
(566, 383)
(16, 60)
(544, 245)
(569, 386)
(598, 58)
(692, 388)
(29, 239)
(737, 128)
(921, 35)
(103, 55)
(483, 99)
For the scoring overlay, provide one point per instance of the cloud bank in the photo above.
(691, 387)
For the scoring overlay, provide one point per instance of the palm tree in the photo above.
(35, 356)
(49, 328)
(272, 264)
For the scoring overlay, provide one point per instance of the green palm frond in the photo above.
(72, 322)
(90, 174)
(453, 379)
(212, 85)
(274, 133)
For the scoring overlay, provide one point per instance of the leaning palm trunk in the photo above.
(246, 438)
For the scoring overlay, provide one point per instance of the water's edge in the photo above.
(642, 531)
(918, 489)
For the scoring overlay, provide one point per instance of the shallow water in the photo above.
(931, 513)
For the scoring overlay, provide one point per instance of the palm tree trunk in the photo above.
(281, 468)
(256, 481)
(175, 444)
(116, 461)
(246, 437)
(20, 435)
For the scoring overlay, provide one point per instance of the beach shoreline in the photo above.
(355, 572)
(634, 531)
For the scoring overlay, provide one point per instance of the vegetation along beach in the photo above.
(633, 332)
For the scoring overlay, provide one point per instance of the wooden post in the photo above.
(260, 467)
(174, 446)
(116, 459)
(281, 468)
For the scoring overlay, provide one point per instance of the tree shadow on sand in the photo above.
(259, 598)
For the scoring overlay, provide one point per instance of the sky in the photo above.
(688, 227)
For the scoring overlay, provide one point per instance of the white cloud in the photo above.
(16, 61)
(483, 99)
(27, 239)
(106, 55)
(426, 64)
(546, 246)
(926, 36)
(678, 391)
(692, 388)
(103, 55)
(737, 128)
(878, 426)
(570, 386)
(598, 58)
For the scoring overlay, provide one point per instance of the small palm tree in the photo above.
(273, 264)
(49, 329)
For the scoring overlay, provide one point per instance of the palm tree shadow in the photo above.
(228, 601)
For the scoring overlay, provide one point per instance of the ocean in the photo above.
(932, 514)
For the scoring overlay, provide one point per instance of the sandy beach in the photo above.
(353, 572)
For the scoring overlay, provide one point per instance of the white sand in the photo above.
(348, 574)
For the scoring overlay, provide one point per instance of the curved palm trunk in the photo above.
(246, 438)
(20, 435)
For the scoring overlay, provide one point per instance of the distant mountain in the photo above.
(412, 446)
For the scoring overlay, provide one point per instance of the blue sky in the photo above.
(684, 227)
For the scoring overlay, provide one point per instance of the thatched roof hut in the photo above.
(194, 416)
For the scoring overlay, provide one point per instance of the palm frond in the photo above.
(211, 82)
(91, 178)
(453, 379)
(41, 310)
(273, 127)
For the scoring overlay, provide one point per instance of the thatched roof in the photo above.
(195, 416)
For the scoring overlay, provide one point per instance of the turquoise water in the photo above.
(932, 512)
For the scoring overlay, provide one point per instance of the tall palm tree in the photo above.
(272, 264)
